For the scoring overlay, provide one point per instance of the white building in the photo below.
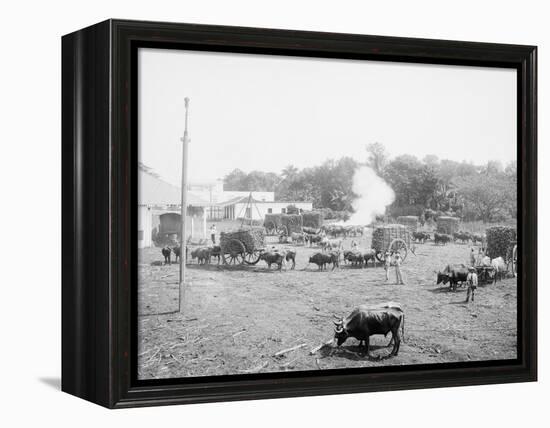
(246, 207)
(159, 207)
(212, 192)
(156, 197)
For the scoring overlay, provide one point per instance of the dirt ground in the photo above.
(236, 319)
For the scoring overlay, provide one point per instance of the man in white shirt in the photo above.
(397, 262)
(471, 279)
(213, 234)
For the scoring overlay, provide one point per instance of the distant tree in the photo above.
(235, 180)
(289, 172)
(432, 160)
(377, 157)
(253, 181)
(486, 197)
(493, 167)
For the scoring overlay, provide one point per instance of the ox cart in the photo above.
(394, 238)
(484, 273)
(242, 247)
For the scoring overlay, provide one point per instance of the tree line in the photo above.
(423, 187)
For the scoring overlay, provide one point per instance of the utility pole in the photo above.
(183, 244)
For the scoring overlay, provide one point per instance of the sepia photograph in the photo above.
(302, 214)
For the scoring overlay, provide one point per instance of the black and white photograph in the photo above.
(338, 214)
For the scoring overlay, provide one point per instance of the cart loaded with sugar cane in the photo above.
(242, 247)
(393, 238)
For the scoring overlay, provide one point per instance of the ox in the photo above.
(177, 252)
(464, 237)
(314, 239)
(453, 274)
(216, 251)
(273, 258)
(499, 269)
(323, 259)
(442, 238)
(202, 255)
(330, 244)
(167, 254)
(369, 255)
(364, 322)
(421, 237)
(298, 238)
(354, 257)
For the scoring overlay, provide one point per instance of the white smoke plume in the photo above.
(373, 196)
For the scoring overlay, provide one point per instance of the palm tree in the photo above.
(289, 171)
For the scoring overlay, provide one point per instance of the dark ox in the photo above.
(442, 238)
(216, 251)
(453, 274)
(167, 254)
(364, 322)
(421, 237)
(313, 239)
(354, 257)
(323, 259)
(464, 237)
(202, 255)
(177, 252)
(278, 258)
(369, 255)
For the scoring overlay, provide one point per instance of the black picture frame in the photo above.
(99, 175)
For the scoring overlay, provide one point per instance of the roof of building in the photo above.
(237, 200)
(152, 190)
(244, 199)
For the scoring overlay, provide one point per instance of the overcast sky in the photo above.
(265, 112)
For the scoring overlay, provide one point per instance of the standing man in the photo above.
(387, 264)
(471, 279)
(213, 234)
(472, 257)
(397, 262)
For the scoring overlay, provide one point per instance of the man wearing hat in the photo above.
(471, 279)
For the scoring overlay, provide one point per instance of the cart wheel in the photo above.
(282, 230)
(233, 253)
(253, 257)
(398, 245)
(515, 260)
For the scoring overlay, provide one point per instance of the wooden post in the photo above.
(183, 244)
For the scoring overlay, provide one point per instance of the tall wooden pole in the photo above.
(183, 241)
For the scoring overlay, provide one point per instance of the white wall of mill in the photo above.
(223, 196)
(145, 226)
(259, 210)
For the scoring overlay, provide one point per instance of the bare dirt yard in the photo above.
(236, 319)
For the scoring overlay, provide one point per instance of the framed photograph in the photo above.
(254, 213)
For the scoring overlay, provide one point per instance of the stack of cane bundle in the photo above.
(448, 225)
(293, 223)
(411, 221)
(273, 220)
(384, 235)
(252, 238)
(499, 240)
(313, 219)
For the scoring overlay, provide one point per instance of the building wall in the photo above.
(149, 225)
(259, 210)
(145, 227)
(216, 196)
